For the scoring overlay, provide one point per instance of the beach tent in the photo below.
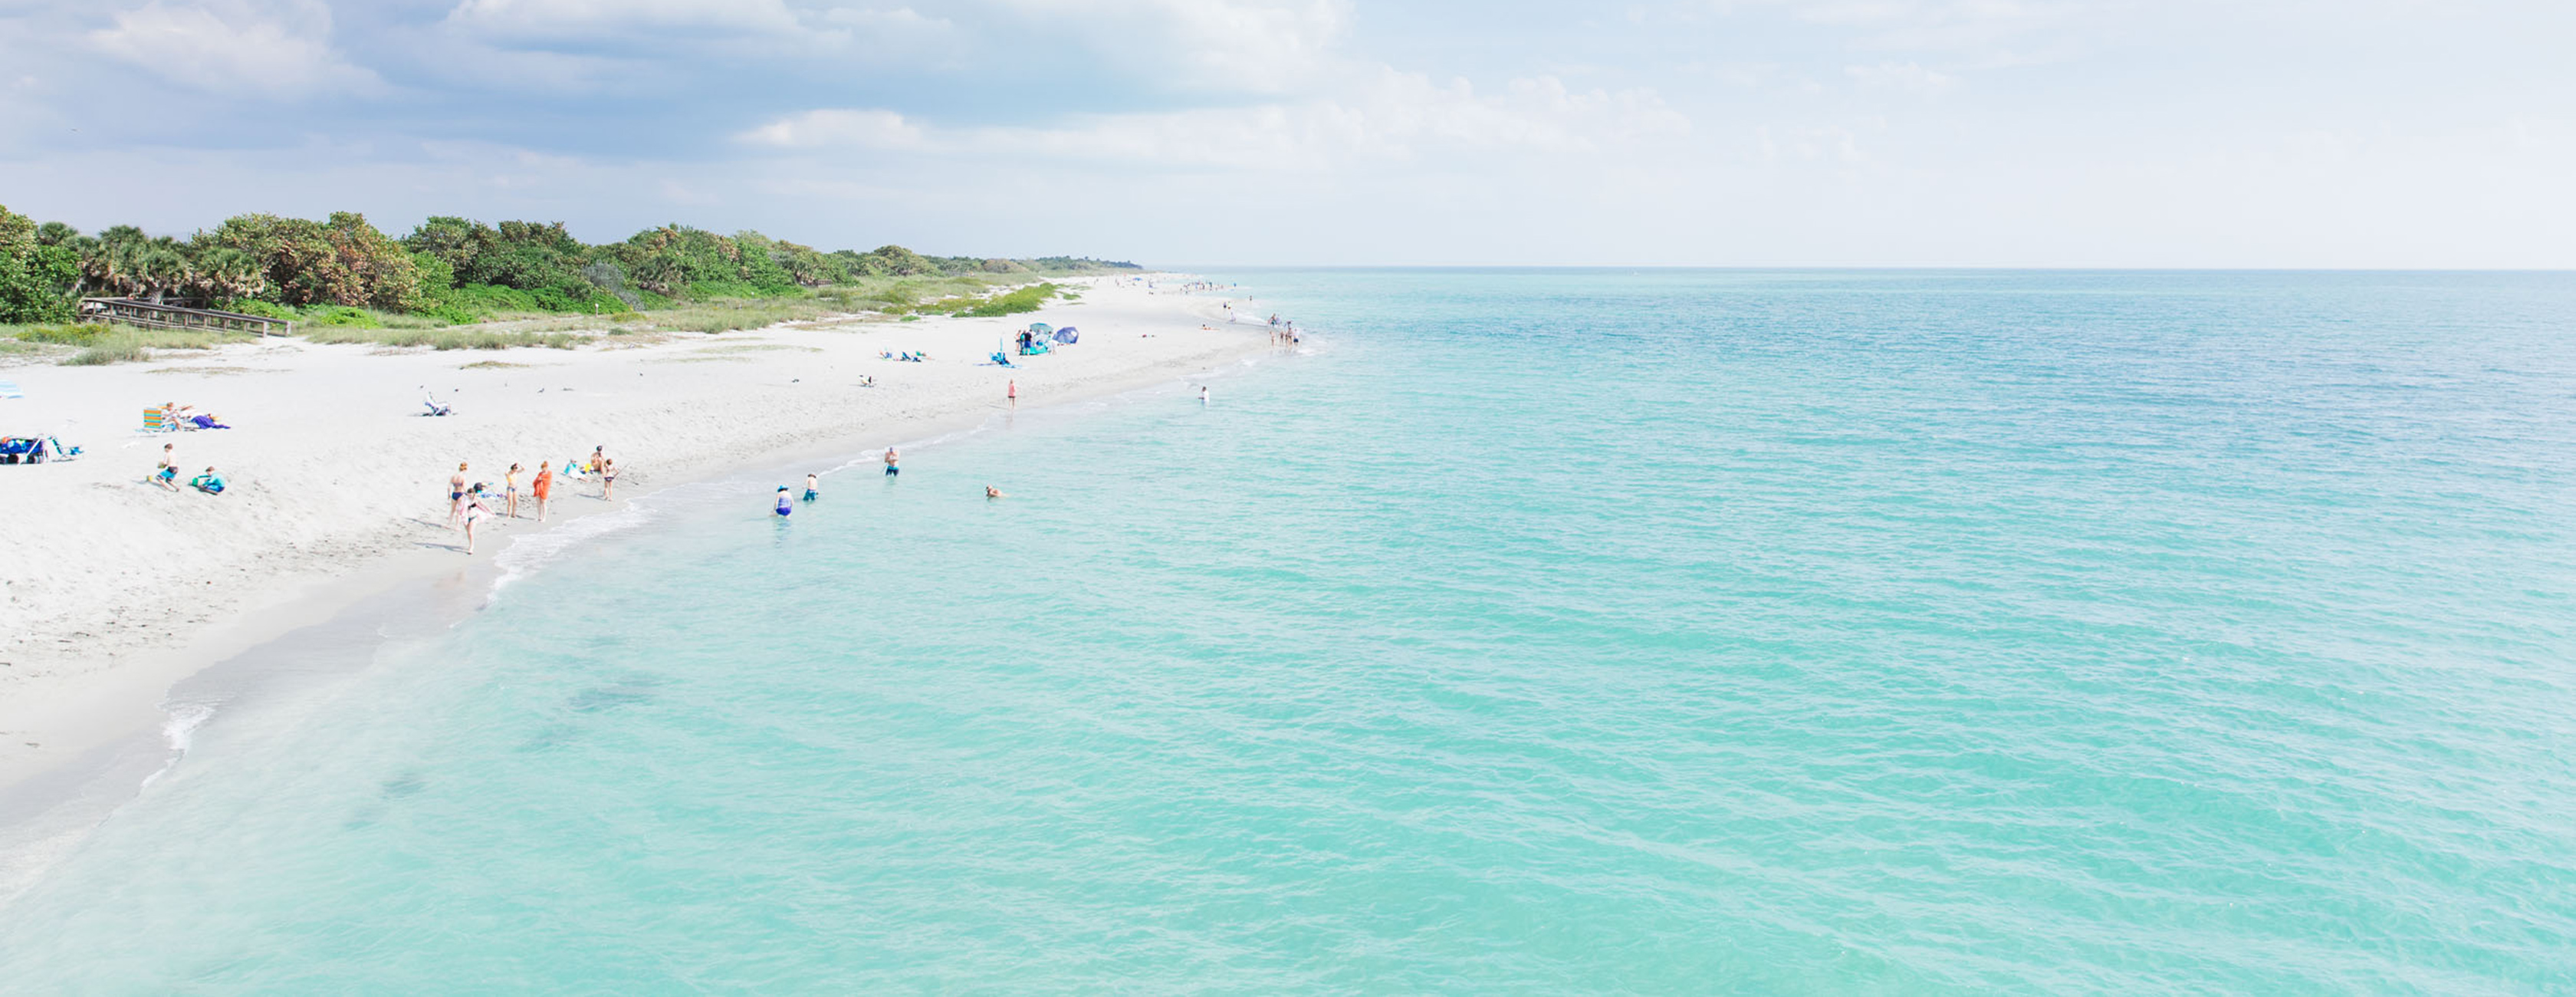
(1041, 328)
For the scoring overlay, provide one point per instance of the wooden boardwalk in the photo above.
(152, 316)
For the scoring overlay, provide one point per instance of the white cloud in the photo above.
(559, 18)
(903, 19)
(1401, 117)
(1987, 32)
(1904, 76)
(236, 51)
(838, 127)
(1266, 46)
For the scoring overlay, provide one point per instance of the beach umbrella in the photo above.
(1041, 328)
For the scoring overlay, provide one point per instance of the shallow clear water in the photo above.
(1543, 631)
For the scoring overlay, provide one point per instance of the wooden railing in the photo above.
(152, 316)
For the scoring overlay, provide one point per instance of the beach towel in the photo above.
(9, 389)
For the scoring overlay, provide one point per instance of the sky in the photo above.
(2056, 133)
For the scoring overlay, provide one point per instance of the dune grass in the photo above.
(902, 298)
(1017, 301)
(450, 337)
(99, 343)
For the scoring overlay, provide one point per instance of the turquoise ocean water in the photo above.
(1663, 631)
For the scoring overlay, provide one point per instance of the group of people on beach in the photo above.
(177, 416)
(167, 474)
(468, 505)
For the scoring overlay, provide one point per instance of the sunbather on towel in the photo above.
(207, 422)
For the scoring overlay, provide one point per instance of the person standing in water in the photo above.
(784, 505)
(813, 487)
(544, 486)
(892, 469)
(1203, 394)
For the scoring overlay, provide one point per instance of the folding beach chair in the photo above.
(158, 421)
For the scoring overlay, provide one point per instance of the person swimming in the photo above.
(991, 492)
(785, 505)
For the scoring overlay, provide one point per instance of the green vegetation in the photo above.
(1014, 302)
(106, 344)
(449, 338)
(519, 283)
(36, 277)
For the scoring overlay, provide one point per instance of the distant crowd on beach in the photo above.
(468, 505)
(472, 505)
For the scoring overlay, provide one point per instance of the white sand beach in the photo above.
(117, 587)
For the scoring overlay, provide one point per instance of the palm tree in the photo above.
(97, 269)
(157, 266)
(221, 273)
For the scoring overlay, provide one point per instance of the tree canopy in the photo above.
(449, 266)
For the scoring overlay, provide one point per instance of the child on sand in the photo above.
(167, 475)
(544, 486)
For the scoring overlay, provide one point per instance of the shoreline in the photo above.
(72, 717)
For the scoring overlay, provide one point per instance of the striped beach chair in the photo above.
(157, 421)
